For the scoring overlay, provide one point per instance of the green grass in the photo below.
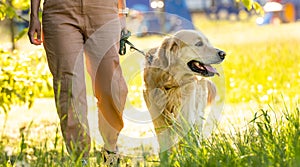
(262, 67)
(267, 141)
(262, 71)
(262, 61)
(272, 138)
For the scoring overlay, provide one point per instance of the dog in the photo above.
(177, 90)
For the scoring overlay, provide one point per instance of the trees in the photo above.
(23, 76)
(11, 11)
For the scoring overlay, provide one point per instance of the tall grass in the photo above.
(50, 152)
(272, 138)
(268, 141)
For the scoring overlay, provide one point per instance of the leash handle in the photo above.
(123, 41)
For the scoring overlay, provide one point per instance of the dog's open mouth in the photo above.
(203, 69)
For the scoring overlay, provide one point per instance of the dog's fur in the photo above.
(176, 95)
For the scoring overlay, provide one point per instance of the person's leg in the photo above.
(111, 91)
(63, 43)
(104, 67)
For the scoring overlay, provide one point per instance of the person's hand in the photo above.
(34, 32)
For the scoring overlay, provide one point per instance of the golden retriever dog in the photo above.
(177, 90)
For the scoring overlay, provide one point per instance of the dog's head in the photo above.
(191, 50)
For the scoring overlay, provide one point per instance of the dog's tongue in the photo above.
(211, 69)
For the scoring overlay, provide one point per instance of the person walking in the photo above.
(70, 30)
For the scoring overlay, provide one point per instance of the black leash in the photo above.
(124, 41)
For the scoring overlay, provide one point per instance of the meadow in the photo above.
(260, 123)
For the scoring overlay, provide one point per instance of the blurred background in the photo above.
(146, 16)
(260, 77)
(276, 12)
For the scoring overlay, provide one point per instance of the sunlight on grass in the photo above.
(262, 71)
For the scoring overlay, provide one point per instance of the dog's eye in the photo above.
(200, 43)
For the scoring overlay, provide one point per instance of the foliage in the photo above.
(10, 8)
(22, 78)
(251, 4)
(6, 10)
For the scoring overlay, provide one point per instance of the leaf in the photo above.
(2, 10)
(248, 4)
(21, 78)
(10, 12)
(21, 34)
(258, 8)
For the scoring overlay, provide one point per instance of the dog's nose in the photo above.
(221, 54)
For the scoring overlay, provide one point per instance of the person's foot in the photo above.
(110, 158)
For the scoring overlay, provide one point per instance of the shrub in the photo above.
(23, 77)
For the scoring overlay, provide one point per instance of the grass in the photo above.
(261, 60)
(264, 77)
(262, 68)
(267, 141)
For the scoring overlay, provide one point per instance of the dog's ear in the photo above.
(168, 48)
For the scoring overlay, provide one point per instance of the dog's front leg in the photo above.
(156, 101)
(166, 141)
(213, 108)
